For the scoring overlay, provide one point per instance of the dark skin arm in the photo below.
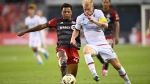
(117, 32)
(36, 28)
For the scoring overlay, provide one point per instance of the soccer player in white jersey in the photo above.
(92, 21)
(34, 37)
(43, 32)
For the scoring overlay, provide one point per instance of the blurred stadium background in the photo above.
(13, 12)
(18, 66)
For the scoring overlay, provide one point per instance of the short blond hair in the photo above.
(87, 2)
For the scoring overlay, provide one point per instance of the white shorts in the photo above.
(34, 43)
(43, 36)
(105, 51)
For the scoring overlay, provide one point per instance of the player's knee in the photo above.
(64, 63)
(62, 55)
(88, 50)
(117, 66)
(34, 49)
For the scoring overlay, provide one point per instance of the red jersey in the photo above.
(64, 30)
(111, 16)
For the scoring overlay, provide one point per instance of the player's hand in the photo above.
(90, 18)
(21, 33)
(73, 42)
(116, 40)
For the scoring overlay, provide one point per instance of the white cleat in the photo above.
(104, 73)
(128, 82)
(96, 77)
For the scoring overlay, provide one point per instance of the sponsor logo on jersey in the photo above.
(65, 27)
(68, 27)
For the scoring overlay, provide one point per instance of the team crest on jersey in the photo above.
(61, 23)
(73, 27)
(73, 22)
(108, 15)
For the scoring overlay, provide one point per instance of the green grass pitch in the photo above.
(19, 66)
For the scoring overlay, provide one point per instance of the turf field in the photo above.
(18, 66)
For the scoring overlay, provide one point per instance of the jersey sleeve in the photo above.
(45, 19)
(78, 24)
(115, 16)
(102, 18)
(52, 22)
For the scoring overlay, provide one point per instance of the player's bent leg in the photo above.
(34, 49)
(88, 52)
(104, 65)
(44, 45)
(116, 64)
(42, 50)
(38, 57)
(100, 58)
(72, 69)
(62, 61)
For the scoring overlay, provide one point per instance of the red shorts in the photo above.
(110, 40)
(72, 54)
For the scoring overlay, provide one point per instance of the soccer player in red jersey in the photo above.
(113, 20)
(67, 54)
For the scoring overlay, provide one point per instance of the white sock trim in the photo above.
(122, 71)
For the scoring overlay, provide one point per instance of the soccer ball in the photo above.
(68, 79)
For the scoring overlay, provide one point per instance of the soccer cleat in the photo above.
(104, 73)
(128, 82)
(96, 77)
(46, 55)
(40, 63)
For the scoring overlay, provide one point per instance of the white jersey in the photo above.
(43, 20)
(34, 37)
(92, 32)
(32, 22)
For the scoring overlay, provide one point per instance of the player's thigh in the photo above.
(62, 54)
(72, 69)
(88, 49)
(107, 52)
(73, 56)
(115, 63)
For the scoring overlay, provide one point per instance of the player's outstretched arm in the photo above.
(74, 35)
(117, 24)
(36, 28)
